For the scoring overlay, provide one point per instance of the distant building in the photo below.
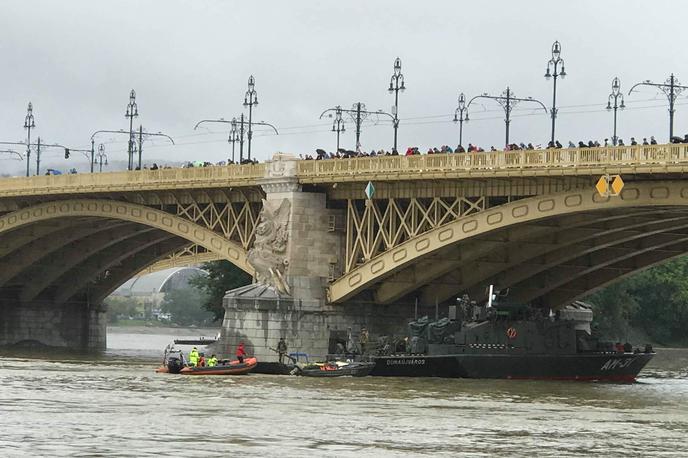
(150, 289)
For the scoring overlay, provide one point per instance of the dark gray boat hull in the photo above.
(618, 367)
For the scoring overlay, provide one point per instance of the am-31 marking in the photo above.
(617, 363)
(406, 362)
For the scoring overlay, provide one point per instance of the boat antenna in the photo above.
(489, 296)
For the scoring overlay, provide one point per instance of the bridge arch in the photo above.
(646, 197)
(134, 213)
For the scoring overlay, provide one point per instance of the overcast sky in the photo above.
(76, 61)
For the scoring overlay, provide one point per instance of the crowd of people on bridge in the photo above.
(342, 153)
(321, 154)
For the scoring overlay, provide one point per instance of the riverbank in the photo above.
(165, 330)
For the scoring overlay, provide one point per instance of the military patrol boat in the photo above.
(512, 341)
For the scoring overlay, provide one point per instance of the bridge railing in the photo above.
(128, 180)
(521, 159)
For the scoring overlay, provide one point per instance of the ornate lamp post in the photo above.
(29, 124)
(615, 96)
(396, 84)
(132, 112)
(358, 114)
(338, 124)
(233, 135)
(671, 88)
(101, 156)
(250, 99)
(507, 101)
(459, 115)
(240, 136)
(553, 64)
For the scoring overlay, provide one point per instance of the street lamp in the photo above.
(615, 96)
(507, 101)
(553, 64)
(142, 136)
(20, 156)
(28, 125)
(338, 124)
(250, 99)
(459, 115)
(234, 123)
(358, 113)
(234, 135)
(132, 112)
(396, 84)
(101, 156)
(671, 89)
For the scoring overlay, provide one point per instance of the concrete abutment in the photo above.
(72, 325)
(260, 314)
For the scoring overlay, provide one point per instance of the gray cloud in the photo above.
(77, 60)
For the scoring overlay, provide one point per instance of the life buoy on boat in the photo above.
(511, 333)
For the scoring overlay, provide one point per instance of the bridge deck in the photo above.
(671, 158)
(139, 180)
(641, 159)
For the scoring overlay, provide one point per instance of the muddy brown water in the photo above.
(113, 404)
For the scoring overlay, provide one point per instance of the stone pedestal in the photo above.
(297, 235)
(259, 316)
(71, 325)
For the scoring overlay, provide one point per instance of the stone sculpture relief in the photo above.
(268, 255)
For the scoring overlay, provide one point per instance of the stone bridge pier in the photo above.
(74, 325)
(299, 248)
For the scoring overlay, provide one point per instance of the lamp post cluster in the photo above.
(555, 69)
(241, 128)
(359, 113)
(237, 129)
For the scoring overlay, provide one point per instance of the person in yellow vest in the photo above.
(212, 361)
(193, 357)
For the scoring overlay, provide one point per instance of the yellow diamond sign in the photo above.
(602, 185)
(609, 185)
(617, 185)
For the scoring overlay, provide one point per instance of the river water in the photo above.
(114, 405)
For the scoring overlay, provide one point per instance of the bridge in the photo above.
(435, 227)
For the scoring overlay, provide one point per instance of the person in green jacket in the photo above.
(212, 361)
(193, 357)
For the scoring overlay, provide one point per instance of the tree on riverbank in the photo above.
(222, 276)
(654, 301)
(185, 306)
(120, 307)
